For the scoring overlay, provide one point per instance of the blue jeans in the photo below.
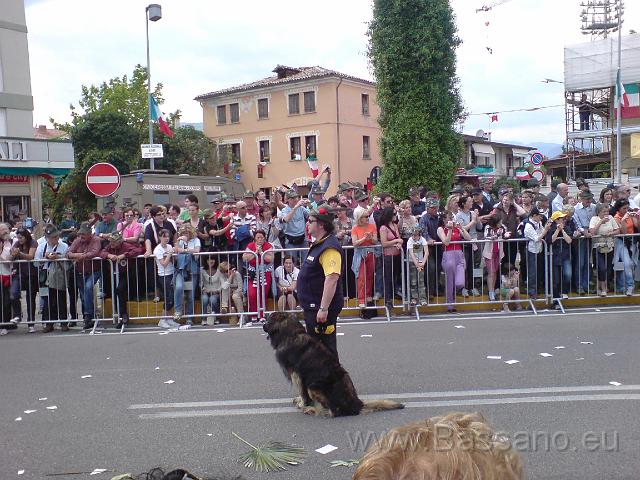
(583, 264)
(212, 299)
(624, 279)
(179, 293)
(86, 283)
(297, 256)
(562, 274)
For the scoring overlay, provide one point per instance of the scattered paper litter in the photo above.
(326, 449)
(209, 434)
(366, 335)
(20, 472)
(157, 368)
(339, 333)
(559, 347)
(494, 357)
(52, 407)
(459, 326)
(169, 382)
(220, 330)
(450, 343)
(86, 376)
(581, 358)
(544, 354)
(98, 471)
(42, 399)
(108, 358)
(615, 384)
(609, 354)
(597, 309)
(184, 327)
(586, 343)
(163, 333)
(18, 419)
(30, 411)
(511, 362)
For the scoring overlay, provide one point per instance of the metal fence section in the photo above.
(593, 267)
(477, 272)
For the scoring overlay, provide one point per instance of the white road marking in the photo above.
(439, 403)
(398, 396)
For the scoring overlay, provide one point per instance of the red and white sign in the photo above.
(103, 179)
(538, 175)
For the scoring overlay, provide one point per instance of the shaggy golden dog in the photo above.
(325, 387)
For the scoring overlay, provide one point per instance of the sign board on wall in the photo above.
(153, 150)
(635, 145)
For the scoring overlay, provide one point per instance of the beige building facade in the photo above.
(266, 129)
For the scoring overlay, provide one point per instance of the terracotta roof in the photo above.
(41, 132)
(305, 73)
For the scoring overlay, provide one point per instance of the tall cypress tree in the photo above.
(412, 51)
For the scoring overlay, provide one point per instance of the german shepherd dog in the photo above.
(324, 386)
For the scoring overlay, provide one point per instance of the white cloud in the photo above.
(200, 46)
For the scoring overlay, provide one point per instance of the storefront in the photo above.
(24, 165)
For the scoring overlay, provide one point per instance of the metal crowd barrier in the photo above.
(579, 274)
(468, 277)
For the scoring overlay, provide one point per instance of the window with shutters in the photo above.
(294, 147)
(365, 104)
(294, 104)
(222, 114)
(234, 112)
(366, 154)
(263, 108)
(309, 102)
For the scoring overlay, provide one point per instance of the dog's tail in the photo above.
(380, 405)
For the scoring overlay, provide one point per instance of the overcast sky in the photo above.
(202, 45)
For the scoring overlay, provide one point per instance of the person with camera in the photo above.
(318, 291)
(450, 233)
(294, 219)
(259, 259)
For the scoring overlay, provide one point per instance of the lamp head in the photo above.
(154, 12)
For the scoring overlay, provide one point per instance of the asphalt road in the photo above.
(125, 418)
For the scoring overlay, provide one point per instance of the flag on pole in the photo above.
(313, 164)
(494, 118)
(628, 96)
(156, 116)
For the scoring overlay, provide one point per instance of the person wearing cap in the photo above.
(249, 200)
(244, 226)
(535, 232)
(121, 253)
(68, 225)
(318, 281)
(482, 207)
(486, 184)
(348, 191)
(294, 219)
(220, 224)
(583, 214)
(363, 207)
(107, 225)
(83, 250)
(623, 192)
(559, 238)
(417, 206)
(317, 198)
(110, 202)
(51, 253)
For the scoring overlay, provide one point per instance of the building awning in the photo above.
(480, 170)
(55, 172)
(520, 152)
(483, 149)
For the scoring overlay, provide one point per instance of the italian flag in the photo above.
(156, 116)
(629, 95)
(313, 164)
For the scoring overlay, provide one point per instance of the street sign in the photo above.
(238, 177)
(153, 150)
(103, 179)
(537, 158)
(538, 175)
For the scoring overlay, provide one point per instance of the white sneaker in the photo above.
(505, 308)
(465, 292)
(3, 331)
(475, 292)
(32, 329)
(156, 300)
(492, 296)
(565, 296)
(15, 320)
(376, 297)
(173, 323)
(163, 323)
(629, 291)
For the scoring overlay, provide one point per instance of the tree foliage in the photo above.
(190, 151)
(412, 53)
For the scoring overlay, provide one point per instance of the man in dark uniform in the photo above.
(319, 278)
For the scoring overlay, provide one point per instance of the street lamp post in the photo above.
(154, 13)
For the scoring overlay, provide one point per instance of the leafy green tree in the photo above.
(412, 53)
(190, 151)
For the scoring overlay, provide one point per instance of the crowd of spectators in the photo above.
(222, 255)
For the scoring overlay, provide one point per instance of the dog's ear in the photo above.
(277, 317)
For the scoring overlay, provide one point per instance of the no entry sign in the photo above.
(103, 179)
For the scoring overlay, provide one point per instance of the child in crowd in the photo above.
(231, 291)
(211, 284)
(493, 251)
(164, 277)
(286, 279)
(510, 285)
(418, 251)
